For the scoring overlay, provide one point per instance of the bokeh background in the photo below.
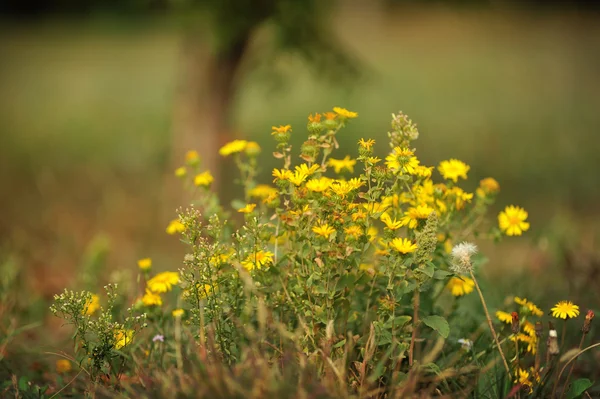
(99, 100)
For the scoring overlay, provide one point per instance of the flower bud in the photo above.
(515, 326)
(587, 323)
(310, 150)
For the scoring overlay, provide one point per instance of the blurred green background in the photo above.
(88, 104)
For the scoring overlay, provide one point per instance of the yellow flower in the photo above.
(529, 328)
(523, 378)
(373, 160)
(178, 313)
(528, 339)
(203, 179)
(329, 115)
(564, 310)
(252, 149)
(175, 226)
(375, 207)
(423, 171)
(247, 209)
(258, 260)
(353, 231)
(151, 299)
(262, 191)
(358, 215)
(145, 264)
(367, 145)
(181, 171)
(390, 224)
(512, 220)
(163, 282)
(340, 164)
(301, 173)
(460, 286)
(504, 317)
(344, 113)
(489, 185)
(192, 157)
(323, 229)
(342, 187)
(204, 290)
(402, 160)
(92, 305)
(453, 169)
(63, 366)
(233, 147)
(460, 196)
(281, 129)
(372, 233)
(282, 174)
(319, 185)
(403, 245)
(314, 119)
(530, 306)
(123, 338)
(414, 214)
(219, 259)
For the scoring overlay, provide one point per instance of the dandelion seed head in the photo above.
(461, 257)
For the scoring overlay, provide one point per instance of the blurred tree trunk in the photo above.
(203, 103)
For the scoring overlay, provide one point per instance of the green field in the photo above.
(86, 107)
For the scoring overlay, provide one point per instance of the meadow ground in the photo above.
(85, 118)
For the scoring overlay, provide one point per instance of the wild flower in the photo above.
(174, 227)
(344, 113)
(233, 147)
(192, 158)
(123, 338)
(178, 313)
(151, 299)
(92, 305)
(158, 338)
(564, 310)
(181, 171)
(63, 366)
(258, 260)
(145, 264)
(323, 229)
(461, 257)
(339, 165)
(453, 169)
(512, 220)
(466, 344)
(530, 306)
(403, 245)
(504, 317)
(262, 191)
(203, 179)
(460, 286)
(248, 208)
(163, 282)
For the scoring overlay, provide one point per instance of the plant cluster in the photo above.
(344, 276)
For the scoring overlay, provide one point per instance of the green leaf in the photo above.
(578, 387)
(439, 324)
(428, 270)
(440, 274)
(432, 367)
(340, 344)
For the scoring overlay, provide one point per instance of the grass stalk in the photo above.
(489, 321)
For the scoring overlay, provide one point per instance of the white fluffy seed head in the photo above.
(461, 257)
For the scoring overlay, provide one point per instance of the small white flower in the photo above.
(466, 344)
(461, 257)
